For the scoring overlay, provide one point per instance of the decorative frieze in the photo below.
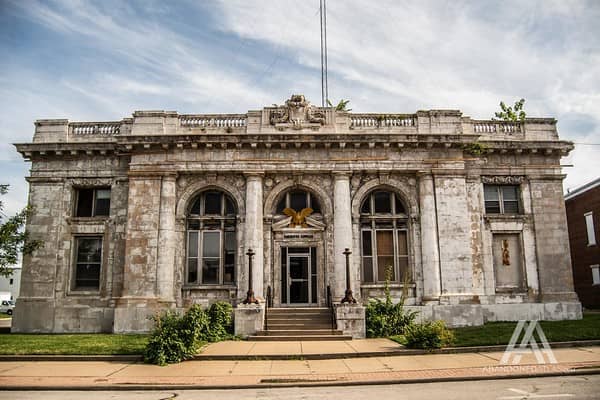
(502, 180)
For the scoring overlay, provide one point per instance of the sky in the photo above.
(102, 60)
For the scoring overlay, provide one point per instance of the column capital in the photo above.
(341, 175)
(254, 175)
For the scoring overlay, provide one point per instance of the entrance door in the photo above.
(298, 275)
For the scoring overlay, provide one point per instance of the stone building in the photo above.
(157, 211)
(583, 211)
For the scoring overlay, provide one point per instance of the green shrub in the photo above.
(178, 337)
(384, 318)
(428, 336)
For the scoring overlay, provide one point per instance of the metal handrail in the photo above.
(268, 305)
(331, 309)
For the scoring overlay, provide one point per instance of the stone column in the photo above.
(342, 232)
(165, 273)
(429, 239)
(254, 232)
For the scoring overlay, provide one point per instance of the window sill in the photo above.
(209, 287)
(82, 292)
(88, 220)
(382, 285)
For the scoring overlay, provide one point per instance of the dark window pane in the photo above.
(368, 269)
(510, 193)
(492, 207)
(490, 193)
(298, 200)
(87, 276)
(85, 200)
(382, 202)
(314, 204)
(399, 207)
(195, 209)
(281, 205)
(89, 250)
(211, 244)
(193, 270)
(210, 270)
(366, 206)
(193, 244)
(298, 250)
(403, 268)
(102, 202)
(193, 224)
(402, 244)
(511, 207)
(385, 243)
(367, 246)
(212, 203)
(229, 208)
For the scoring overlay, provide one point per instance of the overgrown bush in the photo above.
(428, 335)
(384, 318)
(177, 337)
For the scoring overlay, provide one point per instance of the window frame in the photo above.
(501, 201)
(371, 222)
(590, 228)
(595, 274)
(93, 207)
(210, 223)
(74, 270)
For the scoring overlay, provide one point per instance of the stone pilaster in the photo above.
(342, 232)
(429, 239)
(166, 240)
(254, 232)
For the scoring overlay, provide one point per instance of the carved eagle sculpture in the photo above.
(298, 218)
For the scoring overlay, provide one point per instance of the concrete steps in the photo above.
(298, 324)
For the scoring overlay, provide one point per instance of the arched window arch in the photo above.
(211, 239)
(298, 199)
(384, 237)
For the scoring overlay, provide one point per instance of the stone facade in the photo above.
(474, 230)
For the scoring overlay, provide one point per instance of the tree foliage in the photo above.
(14, 240)
(512, 114)
(341, 106)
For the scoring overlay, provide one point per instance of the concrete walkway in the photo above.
(260, 373)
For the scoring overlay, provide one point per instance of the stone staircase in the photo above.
(295, 324)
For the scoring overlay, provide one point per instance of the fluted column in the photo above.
(165, 273)
(429, 239)
(342, 231)
(254, 231)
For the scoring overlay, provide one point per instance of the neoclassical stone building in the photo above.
(157, 211)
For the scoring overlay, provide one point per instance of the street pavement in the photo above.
(271, 373)
(560, 387)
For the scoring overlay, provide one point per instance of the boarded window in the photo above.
(508, 262)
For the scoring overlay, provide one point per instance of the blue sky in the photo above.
(94, 61)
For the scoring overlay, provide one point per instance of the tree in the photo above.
(513, 114)
(13, 237)
(341, 106)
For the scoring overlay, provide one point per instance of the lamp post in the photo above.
(250, 294)
(348, 298)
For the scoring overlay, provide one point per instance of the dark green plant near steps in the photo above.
(384, 318)
(179, 337)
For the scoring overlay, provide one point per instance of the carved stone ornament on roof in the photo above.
(297, 113)
(502, 180)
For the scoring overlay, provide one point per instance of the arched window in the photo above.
(297, 200)
(211, 239)
(384, 237)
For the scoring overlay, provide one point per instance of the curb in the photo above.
(323, 356)
(300, 383)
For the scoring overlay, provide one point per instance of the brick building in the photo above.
(157, 212)
(583, 218)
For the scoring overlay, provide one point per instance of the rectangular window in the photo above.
(88, 263)
(501, 199)
(211, 256)
(595, 274)
(589, 224)
(211, 251)
(93, 202)
(383, 250)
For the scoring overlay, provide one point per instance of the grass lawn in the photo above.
(499, 333)
(4, 316)
(85, 344)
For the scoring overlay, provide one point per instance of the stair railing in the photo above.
(268, 305)
(331, 309)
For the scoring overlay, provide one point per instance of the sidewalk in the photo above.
(202, 373)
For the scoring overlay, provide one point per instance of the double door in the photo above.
(298, 276)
